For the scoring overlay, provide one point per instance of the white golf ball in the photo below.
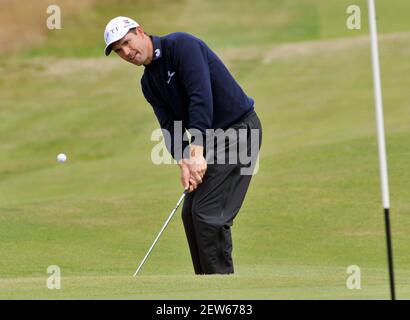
(61, 157)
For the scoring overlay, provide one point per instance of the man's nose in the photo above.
(126, 51)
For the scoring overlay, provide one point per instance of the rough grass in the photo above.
(23, 22)
(223, 24)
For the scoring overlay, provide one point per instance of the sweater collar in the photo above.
(156, 46)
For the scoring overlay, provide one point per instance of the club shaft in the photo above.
(160, 232)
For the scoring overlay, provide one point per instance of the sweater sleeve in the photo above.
(166, 119)
(192, 65)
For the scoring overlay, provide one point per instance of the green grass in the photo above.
(282, 282)
(312, 210)
(222, 23)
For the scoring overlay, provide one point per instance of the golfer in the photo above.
(185, 82)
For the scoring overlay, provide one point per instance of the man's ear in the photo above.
(140, 31)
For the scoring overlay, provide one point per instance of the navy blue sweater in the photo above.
(186, 81)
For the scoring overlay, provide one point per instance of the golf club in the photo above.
(160, 232)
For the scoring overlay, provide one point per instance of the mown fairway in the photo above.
(313, 209)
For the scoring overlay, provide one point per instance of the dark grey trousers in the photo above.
(209, 211)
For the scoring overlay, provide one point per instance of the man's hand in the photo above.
(193, 169)
(185, 175)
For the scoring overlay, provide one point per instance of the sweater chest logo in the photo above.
(170, 75)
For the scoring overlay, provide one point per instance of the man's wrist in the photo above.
(182, 162)
(196, 151)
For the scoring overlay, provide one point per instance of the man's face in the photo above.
(133, 47)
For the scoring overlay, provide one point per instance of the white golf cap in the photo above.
(116, 29)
